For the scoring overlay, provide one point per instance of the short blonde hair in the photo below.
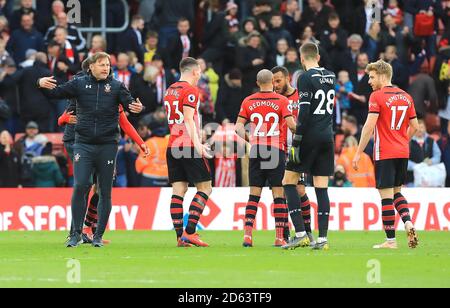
(381, 68)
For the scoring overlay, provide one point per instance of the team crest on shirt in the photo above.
(77, 157)
(107, 88)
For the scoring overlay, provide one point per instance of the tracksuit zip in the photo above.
(96, 108)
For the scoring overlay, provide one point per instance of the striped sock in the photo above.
(250, 214)
(91, 219)
(176, 212)
(280, 213)
(306, 212)
(389, 218)
(401, 205)
(198, 204)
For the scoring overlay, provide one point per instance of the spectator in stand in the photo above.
(34, 106)
(179, 46)
(444, 113)
(153, 168)
(277, 32)
(251, 60)
(292, 18)
(164, 79)
(316, 15)
(6, 7)
(122, 72)
(423, 149)
(343, 89)
(132, 39)
(432, 8)
(365, 176)
(279, 57)
(394, 10)
(30, 58)
(248, 26)
(339, 179)
(232, 18)
(225, 167)
(168, 13)
(424, 93)
(4, 29)
(372, 44)
(262, 11)
(292, 61)
(143, 85)
(74, 35)
(334, 39)
(206, 100)
(24, 38)
(362, 90)
(9, 162)
(46, 171)
(230, 97)
(215, 37)
(349, 57)
(26, 8)
(401, 75)
(151, 47)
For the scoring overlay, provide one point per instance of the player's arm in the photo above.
(242, 120)
(366, 134)
(290, 121)
(413, 128)
(306, 91)
(67, 117)
(131, 131)
(189, 112)
(240, 129)
(49, 87)
(128, 102)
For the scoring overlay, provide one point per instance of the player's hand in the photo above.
(294, 153)
(206, 151)
(356, 160)
(145, 149)
(136, 106)
(48, 83)
(72, 118)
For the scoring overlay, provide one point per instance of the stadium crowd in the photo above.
(233, 40)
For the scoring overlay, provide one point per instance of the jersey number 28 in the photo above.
(329, 98)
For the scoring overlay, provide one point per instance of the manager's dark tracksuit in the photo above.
(96, 140)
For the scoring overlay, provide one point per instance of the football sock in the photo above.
(250, 214)
(198, 204)
(176, 212)
(323, 212)
(293, 201)
(91, 219)
(401, 205)
(388, 218)
(281, 215)
(306, 212)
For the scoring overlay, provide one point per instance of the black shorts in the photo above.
(316, 159)
(267, 165)
(391, 173)
(187, 167)
(303, 176)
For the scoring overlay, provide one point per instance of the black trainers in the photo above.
(74, 240)
(97, 242)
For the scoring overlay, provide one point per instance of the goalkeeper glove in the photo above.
(294, 154)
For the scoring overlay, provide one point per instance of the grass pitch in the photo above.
(150, 259)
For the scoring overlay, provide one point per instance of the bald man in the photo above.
(268, 115)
